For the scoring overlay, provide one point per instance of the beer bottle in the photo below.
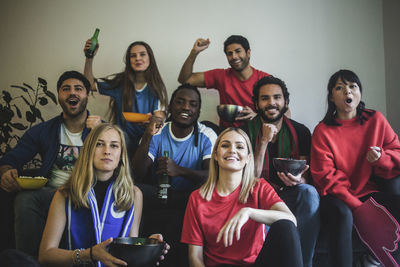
(89, 53)
(163, 185)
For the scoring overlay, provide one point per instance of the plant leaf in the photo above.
(19, 126)
(52, 96)
(30, 117)
(37, 113)
(42, 81)
(6, 96)
(43, 101)
(20, 87)
(27, 85)
(18, 111)
(26, 101)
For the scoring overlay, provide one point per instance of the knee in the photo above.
(338, 213)
(23, 200)
(309, 197)
(283, 230)
(283, 226)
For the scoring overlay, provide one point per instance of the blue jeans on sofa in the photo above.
(303, 201)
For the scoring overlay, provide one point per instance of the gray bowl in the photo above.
(286, 165)
(229, 112)
(137, 251)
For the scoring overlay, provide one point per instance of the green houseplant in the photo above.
(21, 112)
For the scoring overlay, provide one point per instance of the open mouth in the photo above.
(349, 100)
(73, 102)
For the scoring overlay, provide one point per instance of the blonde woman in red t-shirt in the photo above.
(225, 219)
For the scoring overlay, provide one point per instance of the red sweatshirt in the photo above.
(338, 157)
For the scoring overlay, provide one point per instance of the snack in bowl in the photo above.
(29, 182)
(136, 117)
(287, 165)
(228, 112)
(137, 251)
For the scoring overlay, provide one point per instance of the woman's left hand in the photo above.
(373, 154)
(233, 226)
(159, 237)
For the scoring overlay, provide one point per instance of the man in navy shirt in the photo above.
(58, 142)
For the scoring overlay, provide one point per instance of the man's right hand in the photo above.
(155, 124)
(200, 45)
(9, 182)
(88, 44)
(269, 131)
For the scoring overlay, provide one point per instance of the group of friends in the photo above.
(227, 202)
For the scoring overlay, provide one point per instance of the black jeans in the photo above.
(338, 218)
(281, 247)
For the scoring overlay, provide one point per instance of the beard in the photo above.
(78, 111)
(261, 113)
(245, 63)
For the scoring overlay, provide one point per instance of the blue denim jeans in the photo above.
(303, 201)
(30, 211)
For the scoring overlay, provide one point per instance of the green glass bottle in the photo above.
(89, 53)
(163, 185)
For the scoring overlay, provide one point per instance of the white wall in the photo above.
(391, 25)
(302, 42)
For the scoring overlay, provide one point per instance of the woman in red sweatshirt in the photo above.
(352, 149)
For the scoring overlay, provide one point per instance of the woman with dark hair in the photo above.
(139, 88)
(225, 219)
(353, 149)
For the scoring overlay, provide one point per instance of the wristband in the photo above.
(91, 255)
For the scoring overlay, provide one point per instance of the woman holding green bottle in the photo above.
(139, 88)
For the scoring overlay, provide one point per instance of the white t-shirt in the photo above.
(68, 152)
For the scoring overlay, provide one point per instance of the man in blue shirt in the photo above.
(188, 142)
(189, 145)
(58, 142)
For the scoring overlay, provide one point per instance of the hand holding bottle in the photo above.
(92, 45)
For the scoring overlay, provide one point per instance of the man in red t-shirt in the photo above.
(234, 84)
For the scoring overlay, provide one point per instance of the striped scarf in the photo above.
(86, 227)
(288, 144)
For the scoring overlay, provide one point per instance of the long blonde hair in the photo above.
(83, 179)
(248, 177)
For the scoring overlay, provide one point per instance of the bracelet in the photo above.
(76, 257)
(91, 255)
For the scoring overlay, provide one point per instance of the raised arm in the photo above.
(186, 75)
(141, 161)
(88, 69)
(268, 133)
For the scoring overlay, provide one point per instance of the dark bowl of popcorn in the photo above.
(137, 251)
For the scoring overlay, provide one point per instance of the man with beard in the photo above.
(273, 135)
(233, 84)
(58, 142)
(189, 145)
